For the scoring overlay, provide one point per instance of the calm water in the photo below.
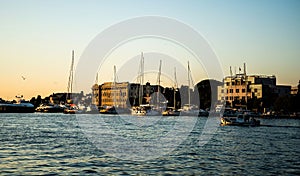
(59, 144)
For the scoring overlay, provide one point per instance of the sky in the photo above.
(37, 38)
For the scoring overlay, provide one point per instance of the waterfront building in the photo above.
(295, 89)
(96, 95)
(126, 95)
(239, 89)
(115, 94)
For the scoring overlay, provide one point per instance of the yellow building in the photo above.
(240, 88)
(115, 94)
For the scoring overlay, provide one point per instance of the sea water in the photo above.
(61, 144)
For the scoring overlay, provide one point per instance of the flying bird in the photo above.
(23, 78)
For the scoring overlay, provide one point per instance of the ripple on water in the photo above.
(35, 144)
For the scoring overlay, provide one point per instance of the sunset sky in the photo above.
(37, 38)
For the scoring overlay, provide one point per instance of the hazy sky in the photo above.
(37, 37)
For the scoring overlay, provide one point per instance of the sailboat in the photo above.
(189, 109)
(157, 107)
(71, 108)
(144, 109)
(172, 111)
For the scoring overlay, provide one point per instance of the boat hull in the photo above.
(225, 121)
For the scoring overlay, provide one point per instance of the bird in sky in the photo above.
(23, 78)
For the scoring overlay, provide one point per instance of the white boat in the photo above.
(240, 120)
(189, 110)
(145, 110)
(50, 108)
(72, 109)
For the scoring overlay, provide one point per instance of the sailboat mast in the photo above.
(158, 80)
(246, 85)
(114, 86)
(70, 83)
(141, 79)
(175, 87)
(189, 93)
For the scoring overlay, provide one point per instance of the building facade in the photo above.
(126, 95)
(239, 89)
(115, 94)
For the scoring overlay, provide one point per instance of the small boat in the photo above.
(240, 120)
(92, 109)
(50, 108)
(170, 111)
(72, 109)
(189, 110)
(145, 110)
(108, 110)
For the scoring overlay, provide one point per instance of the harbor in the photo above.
(145, 87)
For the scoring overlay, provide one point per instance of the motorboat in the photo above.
(72, 109)
(240, 120)
(145, 110)
(50, 108)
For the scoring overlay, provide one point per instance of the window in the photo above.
(237, 90)
(231, 90)
(243, 91)
(222, 91)
(255, 90)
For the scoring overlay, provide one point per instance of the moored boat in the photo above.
(189, 110)
(170, 111)
(21, 106)
(50, 108)
(72, 109)
(145, 110)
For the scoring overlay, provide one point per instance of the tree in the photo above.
(38, 100)
(33, 101)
